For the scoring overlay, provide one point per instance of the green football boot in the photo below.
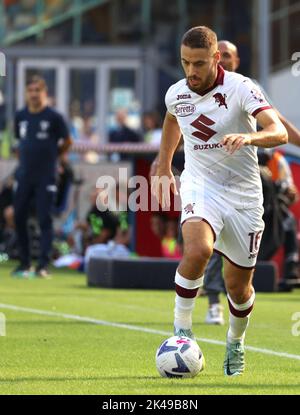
(184, 333)
(234, 362)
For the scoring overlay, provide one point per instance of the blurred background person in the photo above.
(42, 135)
(170, 246)
(122, 133)
(152, 124)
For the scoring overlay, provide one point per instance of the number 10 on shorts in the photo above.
(254, 243)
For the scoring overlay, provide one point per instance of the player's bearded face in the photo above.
(200, 67)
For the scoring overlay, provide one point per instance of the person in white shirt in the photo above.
(221, 190)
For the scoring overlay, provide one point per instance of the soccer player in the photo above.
(43, 135)
(221, 190)
(213, 279)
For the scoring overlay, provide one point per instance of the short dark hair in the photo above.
(199, 37)
(36, 79)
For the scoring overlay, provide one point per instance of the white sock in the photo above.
(186, 292)
(239, 315)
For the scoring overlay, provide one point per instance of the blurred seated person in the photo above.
(170, 246)
(100, 226)
(97, 228)
(166, 231)
(115, 215)
(158, 222)
(122, 133)
(152, 124)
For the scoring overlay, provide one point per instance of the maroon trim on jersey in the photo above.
(233, 263)
(239, 313)
(204, 220)
(185, 292)
(268, 107)
(219, 81)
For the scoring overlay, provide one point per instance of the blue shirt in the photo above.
(38, 135)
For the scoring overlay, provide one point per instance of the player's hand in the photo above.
(160, 187)
(153, 167)
(292, 194)
(233, 142)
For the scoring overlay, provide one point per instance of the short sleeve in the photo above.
(251, 98)
(169, 101)
(61, 128)
(268, 98)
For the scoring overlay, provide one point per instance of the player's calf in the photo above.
(186, 293)
(239, 314)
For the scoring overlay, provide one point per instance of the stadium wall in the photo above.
(285, 93)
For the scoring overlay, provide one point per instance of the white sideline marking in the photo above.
(137, 328)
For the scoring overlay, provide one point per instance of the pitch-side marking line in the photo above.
(137, 328)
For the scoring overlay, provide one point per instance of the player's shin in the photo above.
(186, 292)
(239, 315)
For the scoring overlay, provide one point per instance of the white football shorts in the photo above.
(237, 232)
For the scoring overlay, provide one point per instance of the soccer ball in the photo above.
(179, 357)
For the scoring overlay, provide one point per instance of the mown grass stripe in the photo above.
(136, 328)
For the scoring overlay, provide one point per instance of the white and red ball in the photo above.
(179, 357)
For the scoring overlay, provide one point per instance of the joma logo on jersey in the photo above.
(184, 96)
(220, 99)
(183, 110)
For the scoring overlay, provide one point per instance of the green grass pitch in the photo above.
(54, 354)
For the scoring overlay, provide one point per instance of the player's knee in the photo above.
(240, 293)
(198, 253)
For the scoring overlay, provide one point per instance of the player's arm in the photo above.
(63, 134)
(293, 132)
(154, 164)
(170, 139)
(273, 134)
(65, 145)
